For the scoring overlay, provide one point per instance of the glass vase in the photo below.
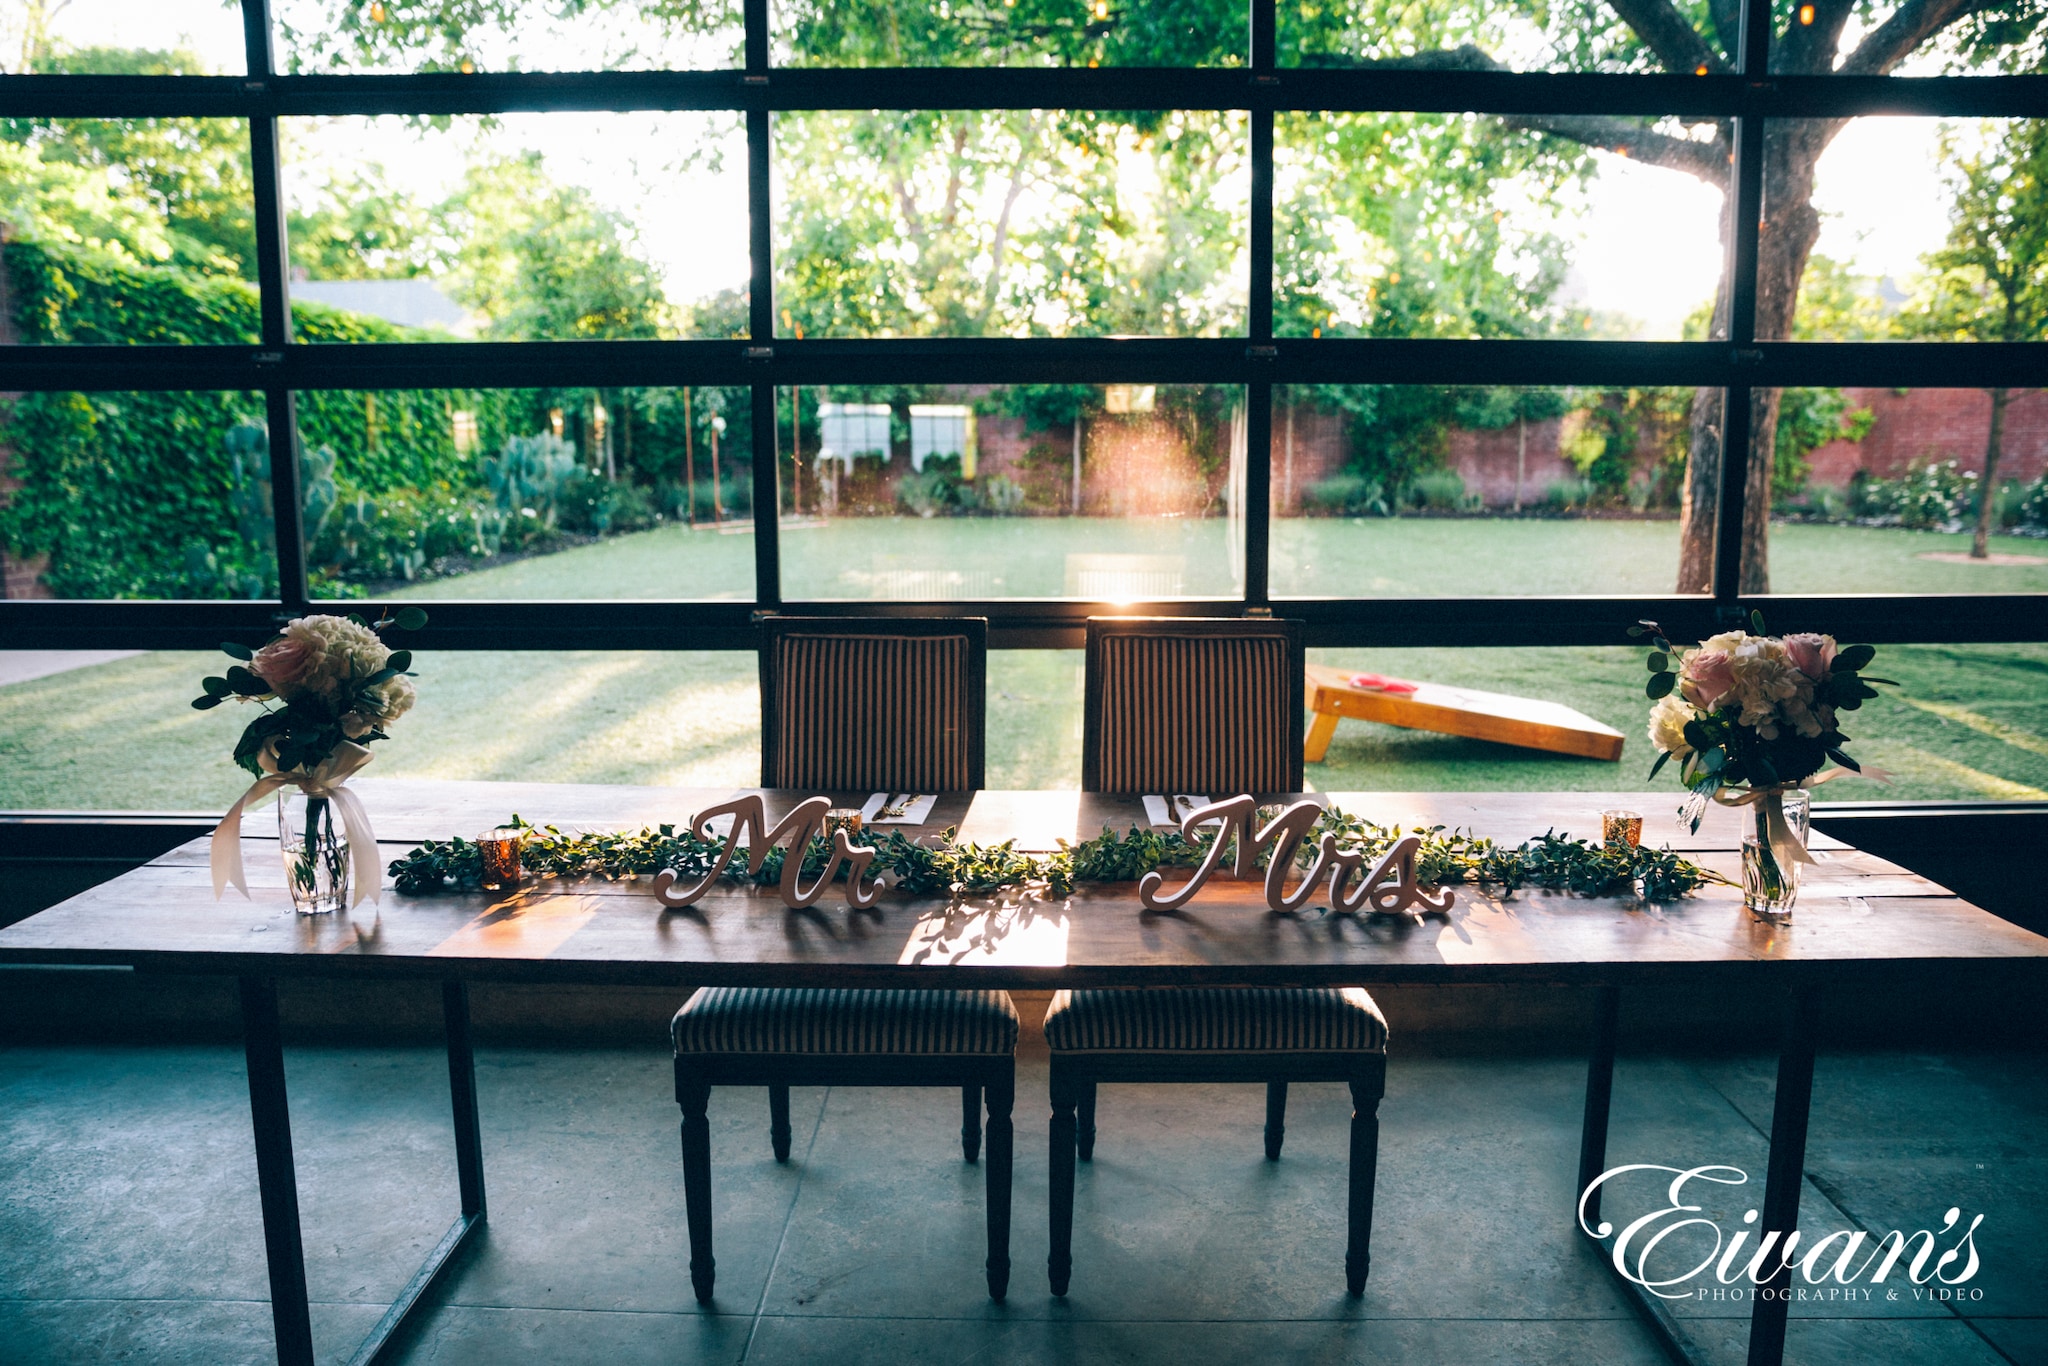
(1770, 885)
(315, 851)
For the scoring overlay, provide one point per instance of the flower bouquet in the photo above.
(327, 687)
(1753, 720)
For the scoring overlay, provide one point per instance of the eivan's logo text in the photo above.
(1653, 1249)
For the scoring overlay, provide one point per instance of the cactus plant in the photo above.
(529, 472)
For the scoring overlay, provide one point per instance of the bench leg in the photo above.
(1365, 1156)
(1084, 1128)
(1002, 1093)
(695, 1098)
(970, 1123)
(1321, 730)
(1059, 1264)
(1276, 1118)
(778, 1121)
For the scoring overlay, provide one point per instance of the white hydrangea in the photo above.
(1770, 687)
(338, 652)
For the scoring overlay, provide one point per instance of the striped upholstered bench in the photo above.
(1224, 1035)
(784, 1037)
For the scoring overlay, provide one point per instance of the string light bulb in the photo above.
(1806, 14)
(376, 11)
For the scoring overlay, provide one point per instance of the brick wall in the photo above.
(1921, 426)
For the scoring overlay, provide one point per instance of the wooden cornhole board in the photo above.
(1477, 715)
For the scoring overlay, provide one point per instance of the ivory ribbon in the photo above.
(1784, 843)
(325, 781)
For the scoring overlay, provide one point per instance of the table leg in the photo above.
(276, 1181)
(469, 1142)
(1787, 1171)
(1599, 1099)
(1001, 1093)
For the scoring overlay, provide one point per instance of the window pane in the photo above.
(1967, 721)
(156, 495)
(1882, 491)
(128, 230)
(1417, 491)
(1017, 33)
(1914, 230)
(1034, 719)
(405, 35)
(1424, 225)
(673, 717)
(1118, 493)
(156, 37)
(529, 493)
(540, 227)
(1010, 224)
(1482, 38)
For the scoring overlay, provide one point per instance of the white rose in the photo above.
(389, 700)
(1667, 726)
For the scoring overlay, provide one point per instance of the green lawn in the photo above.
(1970, 721)
(882, 557)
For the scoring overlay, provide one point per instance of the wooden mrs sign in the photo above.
(1389, 887)
(794, 832)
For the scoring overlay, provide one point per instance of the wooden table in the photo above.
(1501, 717)
(1860, 921)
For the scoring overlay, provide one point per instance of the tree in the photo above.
(1700, 36)
(190, 176)
(1989, 282)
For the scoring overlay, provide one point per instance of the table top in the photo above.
(1858, 917)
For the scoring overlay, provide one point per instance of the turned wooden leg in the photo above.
(1276, 1118)
(1002, 1094)
(1365, 1156)
(970, 1124)
(695, 1098)
(1059, 1264)
(778, 1121)
(1321, 731)
(1084, 1132)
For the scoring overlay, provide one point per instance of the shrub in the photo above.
(1003, 496)
(1437, 491)
(1939, 496)
(1347, 495)
(528, 475)
(2031, 509)
(1566, 495)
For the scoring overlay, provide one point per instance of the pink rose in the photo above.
(284, 662)
(1812, 655)
(1706, 678)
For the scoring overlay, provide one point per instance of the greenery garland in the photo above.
(1552, 861)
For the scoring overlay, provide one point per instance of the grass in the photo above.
(1970, 721)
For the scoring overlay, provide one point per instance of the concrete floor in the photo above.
(130, 1229)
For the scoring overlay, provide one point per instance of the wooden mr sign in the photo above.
(1390, 886)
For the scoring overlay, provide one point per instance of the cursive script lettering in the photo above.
(750, 826)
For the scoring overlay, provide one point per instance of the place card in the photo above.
(916, 810)
(1170, 809)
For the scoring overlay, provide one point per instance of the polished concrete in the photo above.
(130, 1230)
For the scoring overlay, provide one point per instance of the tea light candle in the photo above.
(500, 849)
(845, 818)
(1621, 827)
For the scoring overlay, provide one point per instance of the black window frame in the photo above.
(279, 367)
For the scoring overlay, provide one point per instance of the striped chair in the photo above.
(1210, 707)
(856, 705)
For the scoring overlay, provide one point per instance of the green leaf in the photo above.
(1637, 632)
(215, 687)
(1756, 624)
(357, 618)
(1853, 658)
(245, 683)
(1659, 662)
(205, 703)
(1888, 682)
(236, 650)
(411, 618)
(400, 661)
(1660, 685)
(1842, 758)
(1663, 758)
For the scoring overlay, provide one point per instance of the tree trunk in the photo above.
(1077, 464)
(689, 464)
(1790, 228)
(1521, 456)
(1987, 487)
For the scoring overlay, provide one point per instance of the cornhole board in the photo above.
(1495, 716)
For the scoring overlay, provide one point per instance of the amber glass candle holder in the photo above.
(845, 818)
(1623, 828)
(500, 849)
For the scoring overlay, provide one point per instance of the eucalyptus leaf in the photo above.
(411, 618)
(215, 687)
(400, 661)
(1660, 685)
(206, 703)
(1852, 658)
(1663, 758)
(236, 650)
(1659, 662)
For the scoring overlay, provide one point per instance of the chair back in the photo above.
(851, 703)
(1190, 704)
